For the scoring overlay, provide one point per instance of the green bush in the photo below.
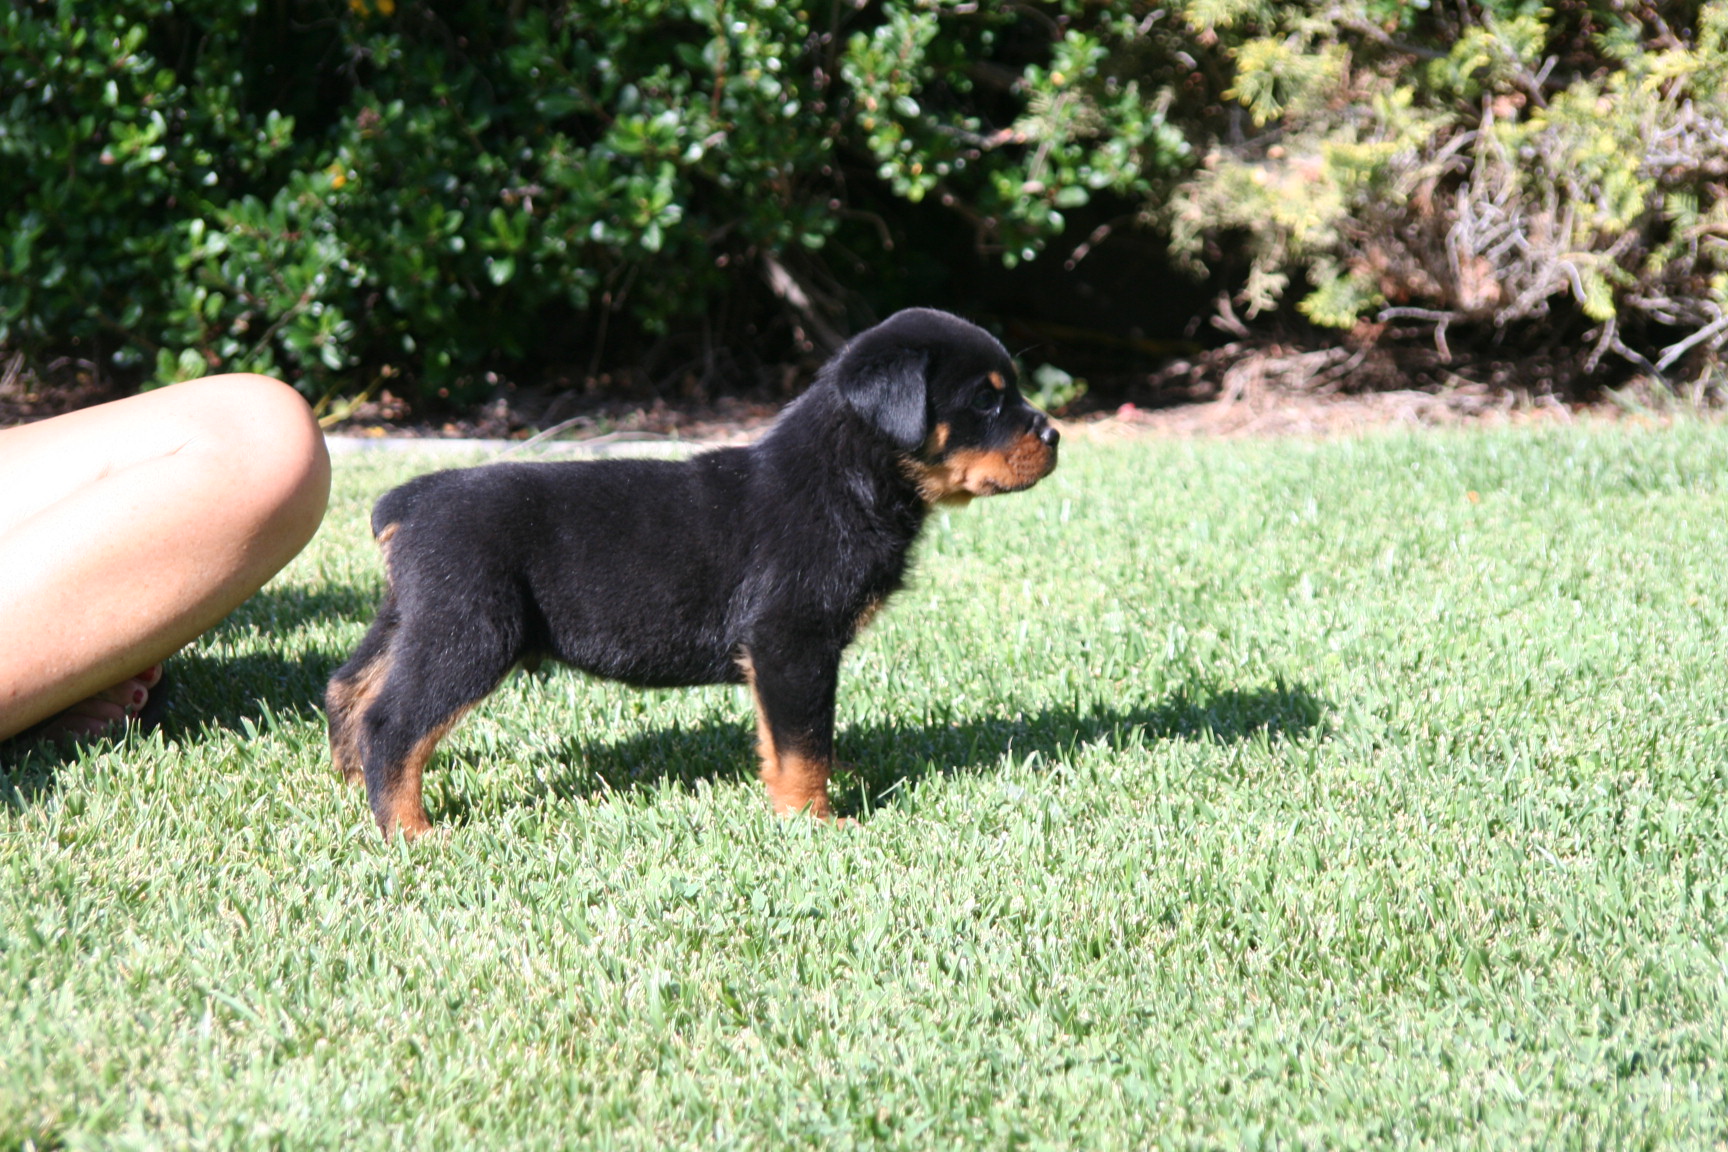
(1485, 166)
(332, 191)
(342, 191)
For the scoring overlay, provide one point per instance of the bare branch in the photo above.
(1715, 333)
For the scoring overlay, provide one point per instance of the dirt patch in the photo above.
(62, 386)
(721, 420)
(1236, 390)
(1299, 415)
(1277, 391)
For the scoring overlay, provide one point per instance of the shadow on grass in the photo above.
(211, 693)
(282, 610)
(886, 757)
(225, 692)
(207, 693)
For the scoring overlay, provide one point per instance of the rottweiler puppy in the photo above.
(749, 565)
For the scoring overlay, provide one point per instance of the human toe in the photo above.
(84, 720)
(100, 710)
(126, 698)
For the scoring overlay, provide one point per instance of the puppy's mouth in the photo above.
(987, 485)
(1030, 460)
(965, 473)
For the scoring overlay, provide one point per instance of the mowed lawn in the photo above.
(1351, 793)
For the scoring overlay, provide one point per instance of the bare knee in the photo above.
(270, 448)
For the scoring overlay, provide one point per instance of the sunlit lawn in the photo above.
(1343, 793)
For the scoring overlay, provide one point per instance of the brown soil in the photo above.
(706, 421)
(62, 386)
(1275, 391)
(1234, 391)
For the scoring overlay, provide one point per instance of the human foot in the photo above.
(107, 710)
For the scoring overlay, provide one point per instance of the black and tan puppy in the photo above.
(755, 565)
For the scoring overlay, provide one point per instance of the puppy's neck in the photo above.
(820, 442)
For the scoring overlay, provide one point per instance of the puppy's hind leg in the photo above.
(427, 688)
(352, 689)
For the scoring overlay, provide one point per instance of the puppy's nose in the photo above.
(1048, 434)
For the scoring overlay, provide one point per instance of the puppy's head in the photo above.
(943, 392)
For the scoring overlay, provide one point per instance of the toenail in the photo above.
(137, 695)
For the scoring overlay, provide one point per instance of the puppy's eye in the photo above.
(986, 400)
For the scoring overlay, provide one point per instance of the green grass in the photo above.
(1353, 793)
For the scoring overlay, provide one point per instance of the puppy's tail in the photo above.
(396, 506)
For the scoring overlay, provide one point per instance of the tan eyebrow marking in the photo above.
(997, 382)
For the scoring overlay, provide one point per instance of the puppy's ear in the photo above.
(888, 390)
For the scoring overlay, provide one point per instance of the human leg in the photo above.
(128, 529)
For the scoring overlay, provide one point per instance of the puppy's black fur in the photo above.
(754, 565)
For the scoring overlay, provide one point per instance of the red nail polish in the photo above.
(137, 695)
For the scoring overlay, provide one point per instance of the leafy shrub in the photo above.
(1489, 165)
(330, 191)
(340, 190)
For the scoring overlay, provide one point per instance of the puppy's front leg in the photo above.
(794, 694)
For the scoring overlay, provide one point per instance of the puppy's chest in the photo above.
(832, 601)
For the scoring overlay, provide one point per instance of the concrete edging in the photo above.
(340, 446)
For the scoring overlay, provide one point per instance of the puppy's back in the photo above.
(624, 568)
